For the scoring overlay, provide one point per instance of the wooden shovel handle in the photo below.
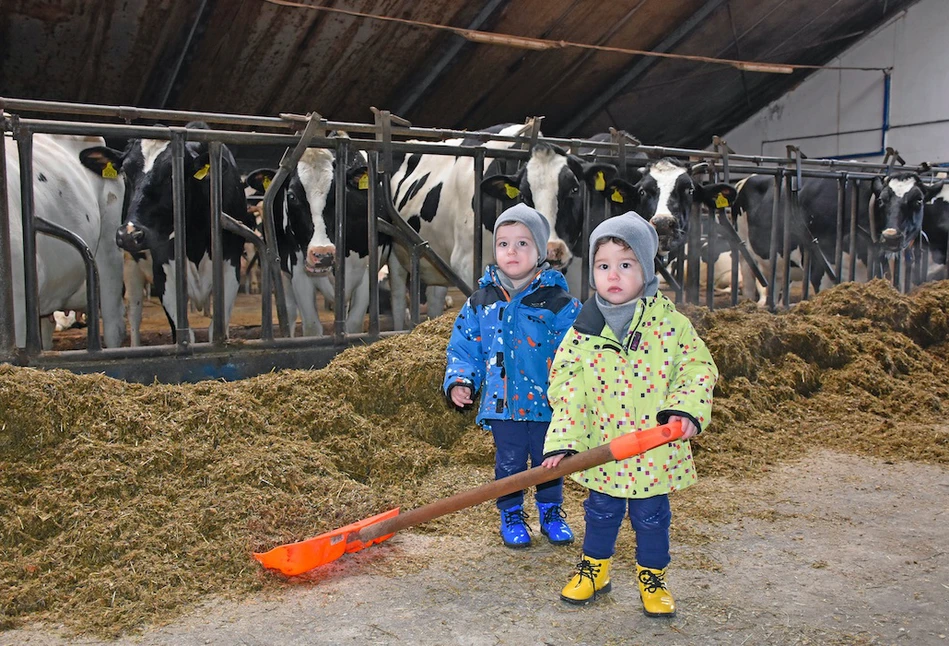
(621, 448)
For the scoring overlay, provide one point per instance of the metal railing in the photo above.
(296, 133)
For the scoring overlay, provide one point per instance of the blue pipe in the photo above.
(883, 129)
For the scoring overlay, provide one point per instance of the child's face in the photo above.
(515, 252)
(617, 274)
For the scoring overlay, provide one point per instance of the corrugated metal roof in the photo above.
(258, 57)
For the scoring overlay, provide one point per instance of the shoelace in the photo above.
(516, 517)
(651, 581)
(553, 513)
(586, 570)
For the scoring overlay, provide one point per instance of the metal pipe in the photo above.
(773, 256)
(478, 234)
(24, 137)
(93, 343)
(218, 322)
(373, 247)
(7, 317)
(339, 220)
(179, 204)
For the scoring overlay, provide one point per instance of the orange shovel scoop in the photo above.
(297, 558)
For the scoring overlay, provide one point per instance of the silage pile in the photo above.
(122, 504)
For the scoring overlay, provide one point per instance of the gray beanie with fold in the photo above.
(535, 223)
(641, 237)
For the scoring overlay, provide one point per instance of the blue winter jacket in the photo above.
(503, 347)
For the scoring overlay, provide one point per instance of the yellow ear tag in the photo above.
(721, 201)
(600, 182)
(363, 182)
(266, 183)
(617, 196)
(202, 172)
(109, 171)
(512, 191)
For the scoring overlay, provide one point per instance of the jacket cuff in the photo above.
(663, 416)
(455, 384)
(559, 452)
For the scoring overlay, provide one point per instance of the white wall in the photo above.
(815, 115)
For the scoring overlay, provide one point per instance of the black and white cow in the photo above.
(305, 221)
(936, 228)
(435, 193)
(146, 165)
(87, 204)
(889, 211)
(663, 193)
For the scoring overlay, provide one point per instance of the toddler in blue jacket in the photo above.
(501, 347)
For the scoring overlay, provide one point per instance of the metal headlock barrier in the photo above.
(380, 141)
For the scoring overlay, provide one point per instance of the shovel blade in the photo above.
(296, 558)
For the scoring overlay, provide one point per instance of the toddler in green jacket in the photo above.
(631, 361)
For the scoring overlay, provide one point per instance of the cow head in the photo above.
(146, 165)
(550, 183)
(663, 193)
(306, 208)
(896, 209)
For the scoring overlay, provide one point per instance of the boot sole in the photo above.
(582, 602)
(516, 546)
(659, 614)
(553, 542)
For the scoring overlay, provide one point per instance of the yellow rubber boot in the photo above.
(657, 601)
(592, 577)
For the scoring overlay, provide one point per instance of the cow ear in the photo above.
(598, 175)
(201, 165)
(357, 177)
(931, 191)
(102, 161)
(260, 179)
(620, 191)
(717, 196)
(501, 187)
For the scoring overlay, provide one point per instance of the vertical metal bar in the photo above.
(415, 286)
(773, 257)
(219, 331)
(854, 194)
(30, 278)
(839, 242)
(788, 215)
(710, 252)
(182, 329)
(7, 318)
(373, 246)
(339, 177)
(584, 268)
(807, 258)
(678, 271)
(478, 238)
(692, 253)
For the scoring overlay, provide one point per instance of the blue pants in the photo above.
(514, 443)
(650, 518)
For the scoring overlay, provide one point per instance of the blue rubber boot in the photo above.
(514, 530)
(553, 523)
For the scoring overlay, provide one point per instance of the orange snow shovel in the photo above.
(297, 558)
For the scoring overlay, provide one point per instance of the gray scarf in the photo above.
(618, 317)
(512, 289)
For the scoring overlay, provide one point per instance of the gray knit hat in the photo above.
(641, 238)
(535, 223)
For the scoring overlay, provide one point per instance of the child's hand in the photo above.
(553, 460)
(461, 396)
(688, 426)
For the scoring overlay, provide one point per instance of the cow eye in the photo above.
(879, 201)
(642, 192)
(574, 190)
(690, 190)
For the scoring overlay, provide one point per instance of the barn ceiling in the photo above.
(265, 57)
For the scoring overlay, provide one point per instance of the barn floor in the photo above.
(130, 511)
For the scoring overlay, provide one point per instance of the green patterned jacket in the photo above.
(601, 388)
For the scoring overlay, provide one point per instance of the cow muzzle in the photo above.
(558, 254)
(667, 227)
(892, 240)
(320, 260)
(130, 238)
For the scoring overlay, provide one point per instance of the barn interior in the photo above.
(670, 73)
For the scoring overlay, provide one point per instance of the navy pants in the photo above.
(515, 443)
(650, 518)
